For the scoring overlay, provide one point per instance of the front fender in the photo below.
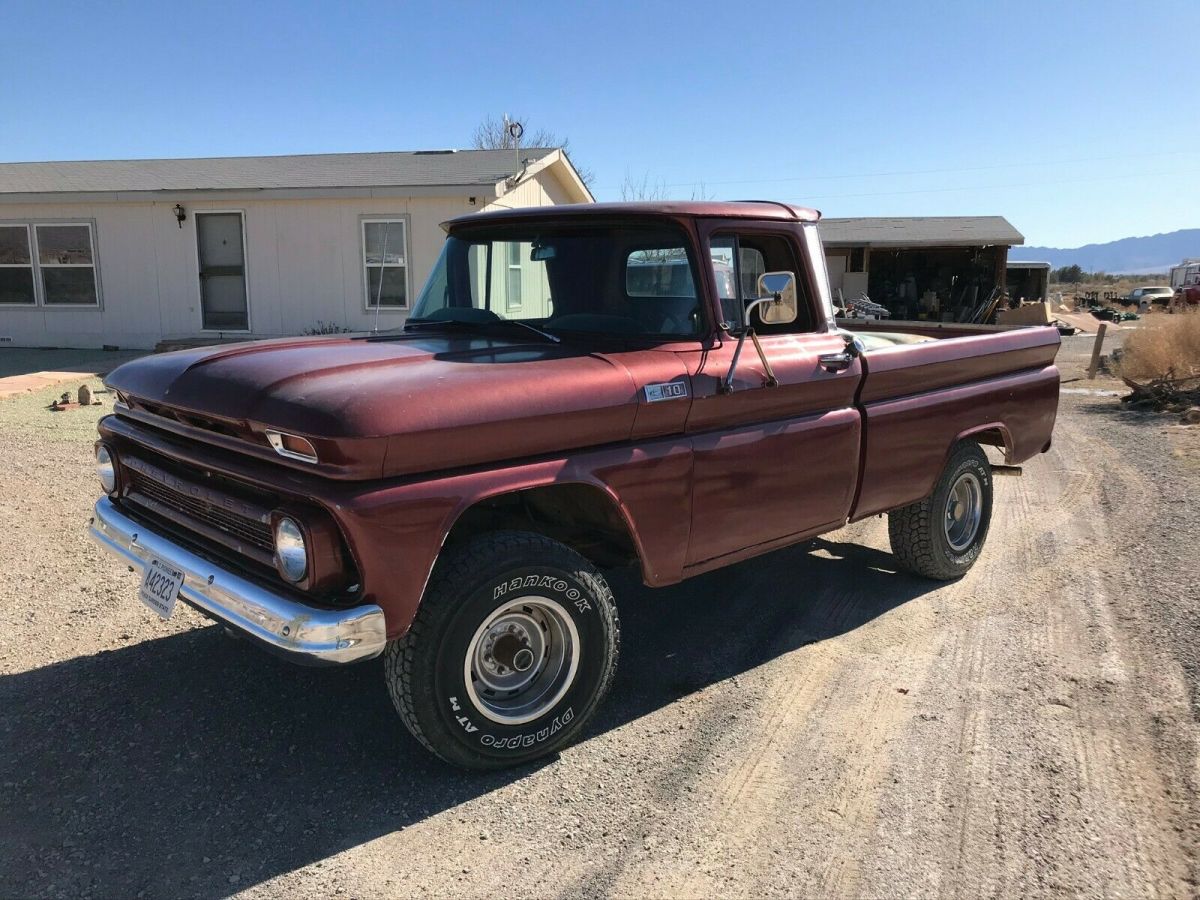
(397, 530)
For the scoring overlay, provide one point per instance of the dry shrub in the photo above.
(1166, 346)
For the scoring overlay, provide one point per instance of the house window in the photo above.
(512, 283)
(67, 262)
(16, 265)
(385, 263)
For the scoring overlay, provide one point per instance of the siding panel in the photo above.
(303, 258)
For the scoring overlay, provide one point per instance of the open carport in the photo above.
(938, 268)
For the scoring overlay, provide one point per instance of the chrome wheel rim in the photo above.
(964, 509)
(521, 661)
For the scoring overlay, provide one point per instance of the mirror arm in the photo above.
(772, 381)
(726, 386)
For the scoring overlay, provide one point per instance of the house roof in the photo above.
(740, 209)
(420, 168)
(920, 231)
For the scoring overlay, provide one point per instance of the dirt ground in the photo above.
(808, 723)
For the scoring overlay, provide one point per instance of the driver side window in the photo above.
(738, 260)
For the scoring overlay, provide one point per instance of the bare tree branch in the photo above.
(632, 189)
(492, 134)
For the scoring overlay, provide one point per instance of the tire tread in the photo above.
(911, 529)
(457, 566)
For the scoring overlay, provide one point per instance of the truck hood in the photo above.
(395, 405)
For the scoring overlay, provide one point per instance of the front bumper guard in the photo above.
(303, 634)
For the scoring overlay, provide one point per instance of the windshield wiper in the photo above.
(552, 338)
(433, 324)
(418, 324)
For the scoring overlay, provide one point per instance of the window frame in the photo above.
(404, 221)
(31, 266)
(511, 268)
(31, 226)
(42, 267)
(809, 271)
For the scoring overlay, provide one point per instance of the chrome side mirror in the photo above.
(778, 290)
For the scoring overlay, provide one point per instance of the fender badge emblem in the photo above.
(671, 390)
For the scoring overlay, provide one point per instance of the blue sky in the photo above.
(1077, 121)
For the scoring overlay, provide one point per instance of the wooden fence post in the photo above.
(1096, 350)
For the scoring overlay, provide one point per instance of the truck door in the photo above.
(771, 464)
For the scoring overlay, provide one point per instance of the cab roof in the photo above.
(739, 209)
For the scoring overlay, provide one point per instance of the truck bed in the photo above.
(926, 385)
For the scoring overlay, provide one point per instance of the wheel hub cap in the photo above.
(522, 660)
(964, 509)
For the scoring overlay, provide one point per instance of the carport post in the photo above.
(1096, 349)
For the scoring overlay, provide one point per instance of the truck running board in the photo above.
(1007, 470)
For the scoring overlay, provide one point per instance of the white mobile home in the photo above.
(128, 253)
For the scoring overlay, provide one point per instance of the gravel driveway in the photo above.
(807, 723)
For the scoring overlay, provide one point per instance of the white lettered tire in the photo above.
(511, 652)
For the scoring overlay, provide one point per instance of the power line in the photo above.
(1062, 162)
(996, 187)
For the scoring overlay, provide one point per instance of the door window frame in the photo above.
(249, 329)
(805, 273)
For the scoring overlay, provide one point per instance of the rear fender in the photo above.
(994, 434)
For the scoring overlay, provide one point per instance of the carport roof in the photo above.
(420, 168)
(920, 231)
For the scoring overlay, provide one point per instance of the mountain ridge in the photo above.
(1145, 255)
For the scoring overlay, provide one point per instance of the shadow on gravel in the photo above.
(1123, 412)
(197, 765)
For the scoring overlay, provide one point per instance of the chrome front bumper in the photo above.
(302, 633)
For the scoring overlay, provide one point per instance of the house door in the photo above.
(222, 253)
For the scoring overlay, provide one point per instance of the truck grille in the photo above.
(237, 523)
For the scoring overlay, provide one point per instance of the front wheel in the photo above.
(512, 650)
(941, 536)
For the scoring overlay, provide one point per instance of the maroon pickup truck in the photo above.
(653, 385)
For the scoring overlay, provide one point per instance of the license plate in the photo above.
(160, 587)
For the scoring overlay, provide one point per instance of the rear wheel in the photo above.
(941, 536)
(511, 652)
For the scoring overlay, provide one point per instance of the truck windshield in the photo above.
(638, 281)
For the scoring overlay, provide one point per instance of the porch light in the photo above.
(180, 214)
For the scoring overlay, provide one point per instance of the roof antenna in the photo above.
(515, 131)
(382, 267)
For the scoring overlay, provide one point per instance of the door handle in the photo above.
(840, 362)
(835, 362)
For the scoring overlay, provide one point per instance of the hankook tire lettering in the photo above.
(534, 581)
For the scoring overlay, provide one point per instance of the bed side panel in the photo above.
(905, 370)
(909, 437)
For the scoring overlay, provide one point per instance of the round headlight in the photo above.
(291, 556)
(106, 470)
